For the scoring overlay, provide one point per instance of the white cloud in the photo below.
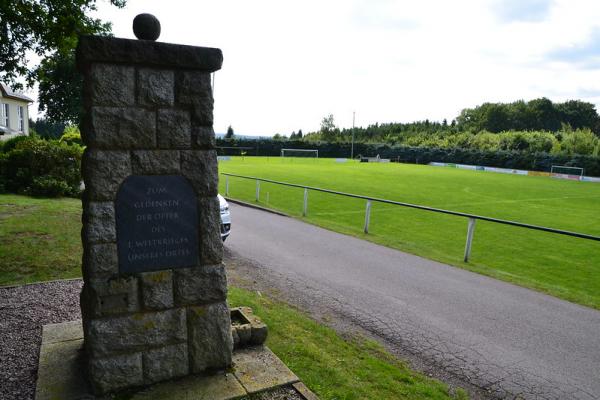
(288, 64)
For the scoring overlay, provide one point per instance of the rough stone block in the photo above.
(174, 129)
(203, 137)
(100, 261)
(157, 290)
(152, 162)
(200, 167)
(156, 87)
(121, 128)
(99, 226)
(136, 332)
(112, 85)
(202, 111)
(115, 373)
(103, 172)
(110, 297)
(165, 363)
(198, 285)
(209, 337)
(211, 244)
(192, 85)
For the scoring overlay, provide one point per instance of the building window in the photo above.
(21, 119)
(4, 114)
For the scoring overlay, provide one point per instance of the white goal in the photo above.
(300, 153)
(567, 171)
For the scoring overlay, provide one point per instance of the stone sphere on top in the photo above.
(146, 27)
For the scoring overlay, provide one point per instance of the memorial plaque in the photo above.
(157, 223)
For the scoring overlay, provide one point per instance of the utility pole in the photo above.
(352, 147)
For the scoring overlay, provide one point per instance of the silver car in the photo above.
(225, 217)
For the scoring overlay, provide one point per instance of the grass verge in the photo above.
(333, 367)
(39, 239)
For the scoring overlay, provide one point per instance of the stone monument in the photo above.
(154, 297)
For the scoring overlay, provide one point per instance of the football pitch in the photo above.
(562, 266)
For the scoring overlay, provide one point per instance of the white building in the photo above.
(14, 113)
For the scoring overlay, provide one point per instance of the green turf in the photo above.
(562, 266)
(39, 239)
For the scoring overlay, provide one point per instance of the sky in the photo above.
(288, 64)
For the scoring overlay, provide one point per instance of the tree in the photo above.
(229, 134)
(49, 29)
(299, 134)
(327, 124)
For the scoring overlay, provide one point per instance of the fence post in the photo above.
(226, 185)
(257, 190)
(470, 230)
(305, 207)
(367, 216)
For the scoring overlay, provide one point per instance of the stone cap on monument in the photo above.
(107, 49)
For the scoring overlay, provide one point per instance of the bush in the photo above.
(41, 168)
(71, 135)
(11, 143)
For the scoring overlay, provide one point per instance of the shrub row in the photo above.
(39, 167)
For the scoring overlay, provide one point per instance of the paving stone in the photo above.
(257, 368)
(59, 371)
(64, 331)
(305, 391)
(214, 387)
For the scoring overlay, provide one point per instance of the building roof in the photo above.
(7, 92)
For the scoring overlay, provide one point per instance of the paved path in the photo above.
(507, 340)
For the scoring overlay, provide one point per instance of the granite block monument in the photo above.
(154, 297)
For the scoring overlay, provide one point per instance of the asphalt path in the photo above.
(509, 341)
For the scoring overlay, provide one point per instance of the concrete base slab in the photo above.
(216, 387)
(258, 369)
(62, 364)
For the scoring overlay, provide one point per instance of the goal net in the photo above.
(565, 171)
(300, 153)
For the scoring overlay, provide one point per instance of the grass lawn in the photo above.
(39, 240)
(562, 266)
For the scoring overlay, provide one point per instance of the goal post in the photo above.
(300, 153)
(566, 170)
